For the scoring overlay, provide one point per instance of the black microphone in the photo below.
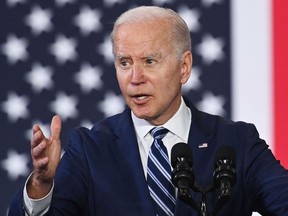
(224, 174)
(182, 174)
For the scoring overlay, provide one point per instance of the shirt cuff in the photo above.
(36, 206)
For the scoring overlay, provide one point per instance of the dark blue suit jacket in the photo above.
(101, 172)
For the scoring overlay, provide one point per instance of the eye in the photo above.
(150, 61)
(124, 63)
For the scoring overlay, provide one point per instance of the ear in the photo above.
(186, 66)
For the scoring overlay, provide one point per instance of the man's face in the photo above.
(149, 73)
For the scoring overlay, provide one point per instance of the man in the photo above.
(106, 171)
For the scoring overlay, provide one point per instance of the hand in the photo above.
(46, 154)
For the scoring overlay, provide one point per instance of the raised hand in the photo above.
(46, 154)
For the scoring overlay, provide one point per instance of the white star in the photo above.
(111, 104)
(61, 3)
(40, 77)
(211, 49)
(12, 3)
(88, 20)
(212, 104)
(194, 82)
(64, 49)
(105, 49)
(208, 3)
(160, 2)
(89, 78)
(15, 107)
(39, 20)
(16, 164)
(110, 3)
(65, 106)
(15, 49)
(191, 17)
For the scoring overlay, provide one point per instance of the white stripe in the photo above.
(252, 98)
(160, 167)
(160, 203)
(165, 191)
(161, 151)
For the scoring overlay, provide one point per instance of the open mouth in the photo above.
(140, 97)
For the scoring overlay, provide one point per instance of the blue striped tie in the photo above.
(159, 175)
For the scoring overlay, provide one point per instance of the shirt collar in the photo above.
(179, 124)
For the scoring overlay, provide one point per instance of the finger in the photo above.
(55, 127)
(35, 128)
(41, 164)
(39, 150)
(37, 137)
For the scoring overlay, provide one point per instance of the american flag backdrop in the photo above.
(56, 58)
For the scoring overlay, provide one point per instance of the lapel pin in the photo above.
(203, 145)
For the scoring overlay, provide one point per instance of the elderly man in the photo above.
(122, 165)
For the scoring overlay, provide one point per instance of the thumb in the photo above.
(55, 127)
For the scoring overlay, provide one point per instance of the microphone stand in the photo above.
(201, 209)
(185, 196)
(183, 178)
(203, 205)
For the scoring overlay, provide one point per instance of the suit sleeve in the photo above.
(71, 181)
(266, 179)
(16, 205)
(72, 178)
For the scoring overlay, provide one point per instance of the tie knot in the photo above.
(159, 132)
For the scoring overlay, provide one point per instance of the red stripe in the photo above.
(280, 68)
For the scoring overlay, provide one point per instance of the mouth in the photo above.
(140, 99)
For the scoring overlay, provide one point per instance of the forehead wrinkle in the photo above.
(148, 43)
(156, 54)
(140, 55)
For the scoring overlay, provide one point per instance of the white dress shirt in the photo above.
(178, 126)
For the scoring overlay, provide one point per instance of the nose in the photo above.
(138, 76)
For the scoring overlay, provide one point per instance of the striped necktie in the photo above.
(159, 175)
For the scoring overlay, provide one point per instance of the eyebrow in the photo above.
(119, 56)
(145, 56)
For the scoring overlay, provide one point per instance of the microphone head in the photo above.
(181, 150)
(225, 152)
(182, 174)
(225, 162)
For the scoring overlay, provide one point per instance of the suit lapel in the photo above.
(127, 154)
(201, 142)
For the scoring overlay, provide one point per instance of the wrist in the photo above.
(36, 188)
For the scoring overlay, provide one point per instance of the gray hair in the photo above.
(180, 32)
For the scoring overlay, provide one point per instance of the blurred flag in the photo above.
(56, 58)
(259, 68)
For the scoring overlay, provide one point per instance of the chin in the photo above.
(140, 114)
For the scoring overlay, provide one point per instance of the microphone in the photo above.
(182, 174)
(224, 174)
